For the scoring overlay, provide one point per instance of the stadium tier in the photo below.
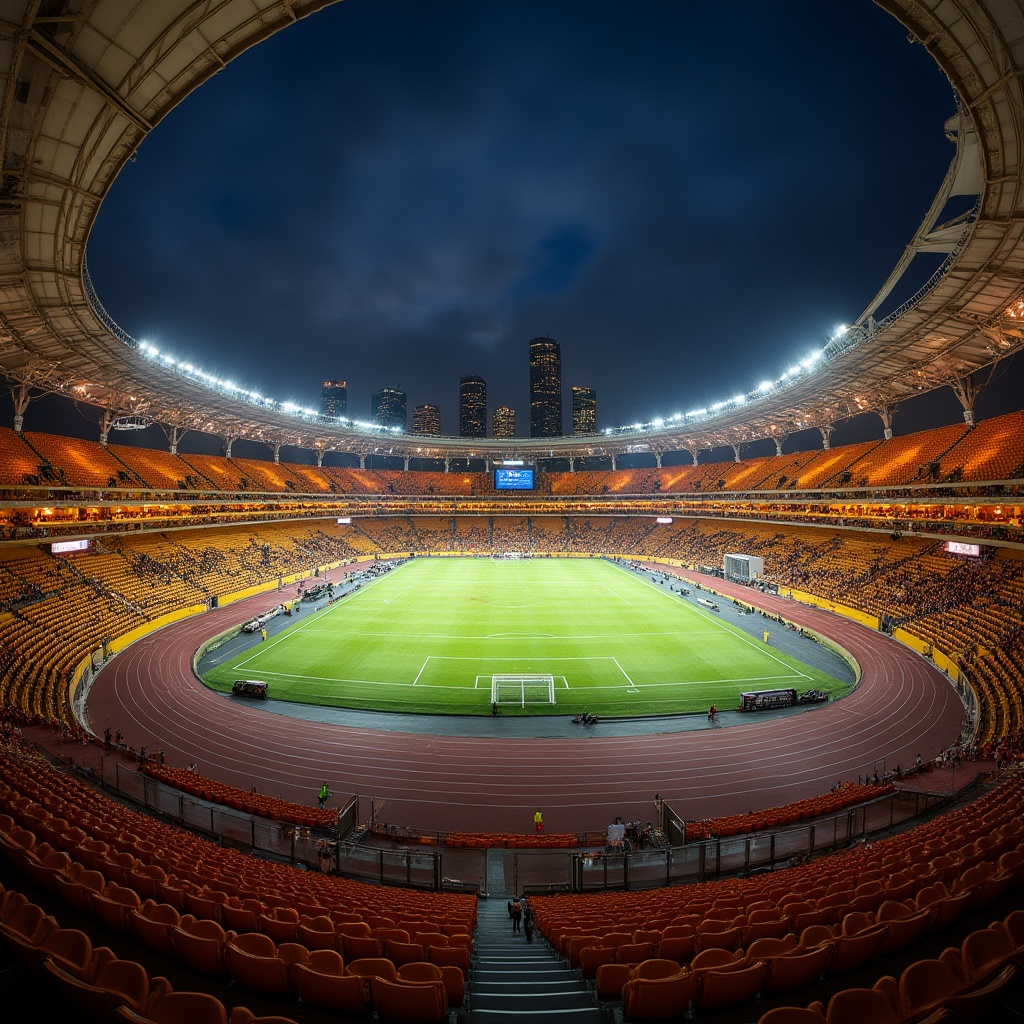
(992, 451)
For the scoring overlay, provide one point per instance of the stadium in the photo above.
(434, 645)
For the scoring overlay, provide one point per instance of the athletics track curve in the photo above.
(904, 706)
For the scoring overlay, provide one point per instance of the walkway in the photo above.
(513, 979)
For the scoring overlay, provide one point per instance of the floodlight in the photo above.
(765, 385)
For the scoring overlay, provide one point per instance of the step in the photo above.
(513, 979)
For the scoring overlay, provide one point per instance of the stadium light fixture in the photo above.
(664, 520)
(148, 350)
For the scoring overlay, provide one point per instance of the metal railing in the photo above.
(517, 869)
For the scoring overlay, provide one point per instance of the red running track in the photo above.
(904, 706)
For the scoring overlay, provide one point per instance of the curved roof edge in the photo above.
(81, 90)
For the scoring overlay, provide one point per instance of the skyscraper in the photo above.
(545, 388)
(387, 407)
(472, 406)
(584, 410)
(334, 398)
(503, 422)
(426, 419)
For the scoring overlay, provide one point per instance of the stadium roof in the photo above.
(84, 83)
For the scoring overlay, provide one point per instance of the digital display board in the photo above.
(62, 547)
(513, 479)
(957, 547)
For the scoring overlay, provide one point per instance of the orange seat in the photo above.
(322, 981)
(657, 998)
(360, 947)
(280, 923)
(114, 983)
(317, 932)
(113, 906)
(400, 953)
(421, 1003)
(797, 969)
(200, 944)
(592, 957)
(179, 1008)
(729, 986)
(152, 924)
(450, 956)
(610, 980)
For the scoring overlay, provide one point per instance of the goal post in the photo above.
(522, 689)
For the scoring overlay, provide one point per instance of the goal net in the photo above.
(522, 689)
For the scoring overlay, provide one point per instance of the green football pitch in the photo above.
(430, 635)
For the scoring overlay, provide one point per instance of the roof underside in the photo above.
(84, 81)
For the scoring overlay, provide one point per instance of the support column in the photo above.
(778, 446)
(826, 435)
(174, 438)
(277, 452)
(886, 414)
(694, 453)
(614, 466)
(362, 462)
(967, 393)
(106, 422)
(320, 453)
(228, 442)
(735, 453)
(447, 464)
(657, 459)
(405, 463)
(22, 398)
(572, 463)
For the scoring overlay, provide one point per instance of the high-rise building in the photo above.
(545, 388)
(334, 398)
(387, 408)
(503, 422)
(426, 419)
(584, 410)
(472, 406)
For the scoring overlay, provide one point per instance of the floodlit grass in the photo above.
(428, 636)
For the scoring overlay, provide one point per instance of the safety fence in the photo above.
(406, 861)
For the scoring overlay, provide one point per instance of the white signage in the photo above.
(62, 547)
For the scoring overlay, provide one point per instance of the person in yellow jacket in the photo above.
(538, 821)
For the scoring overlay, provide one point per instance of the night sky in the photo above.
(688, 196)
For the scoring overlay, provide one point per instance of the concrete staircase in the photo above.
(513, 979)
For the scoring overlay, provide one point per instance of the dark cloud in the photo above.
(687, 196)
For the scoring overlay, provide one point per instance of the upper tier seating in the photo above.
(992, 450)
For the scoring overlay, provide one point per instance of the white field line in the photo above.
(738, 633)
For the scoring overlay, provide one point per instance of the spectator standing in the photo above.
(538, 821)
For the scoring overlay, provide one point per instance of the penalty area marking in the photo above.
(632, 686)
